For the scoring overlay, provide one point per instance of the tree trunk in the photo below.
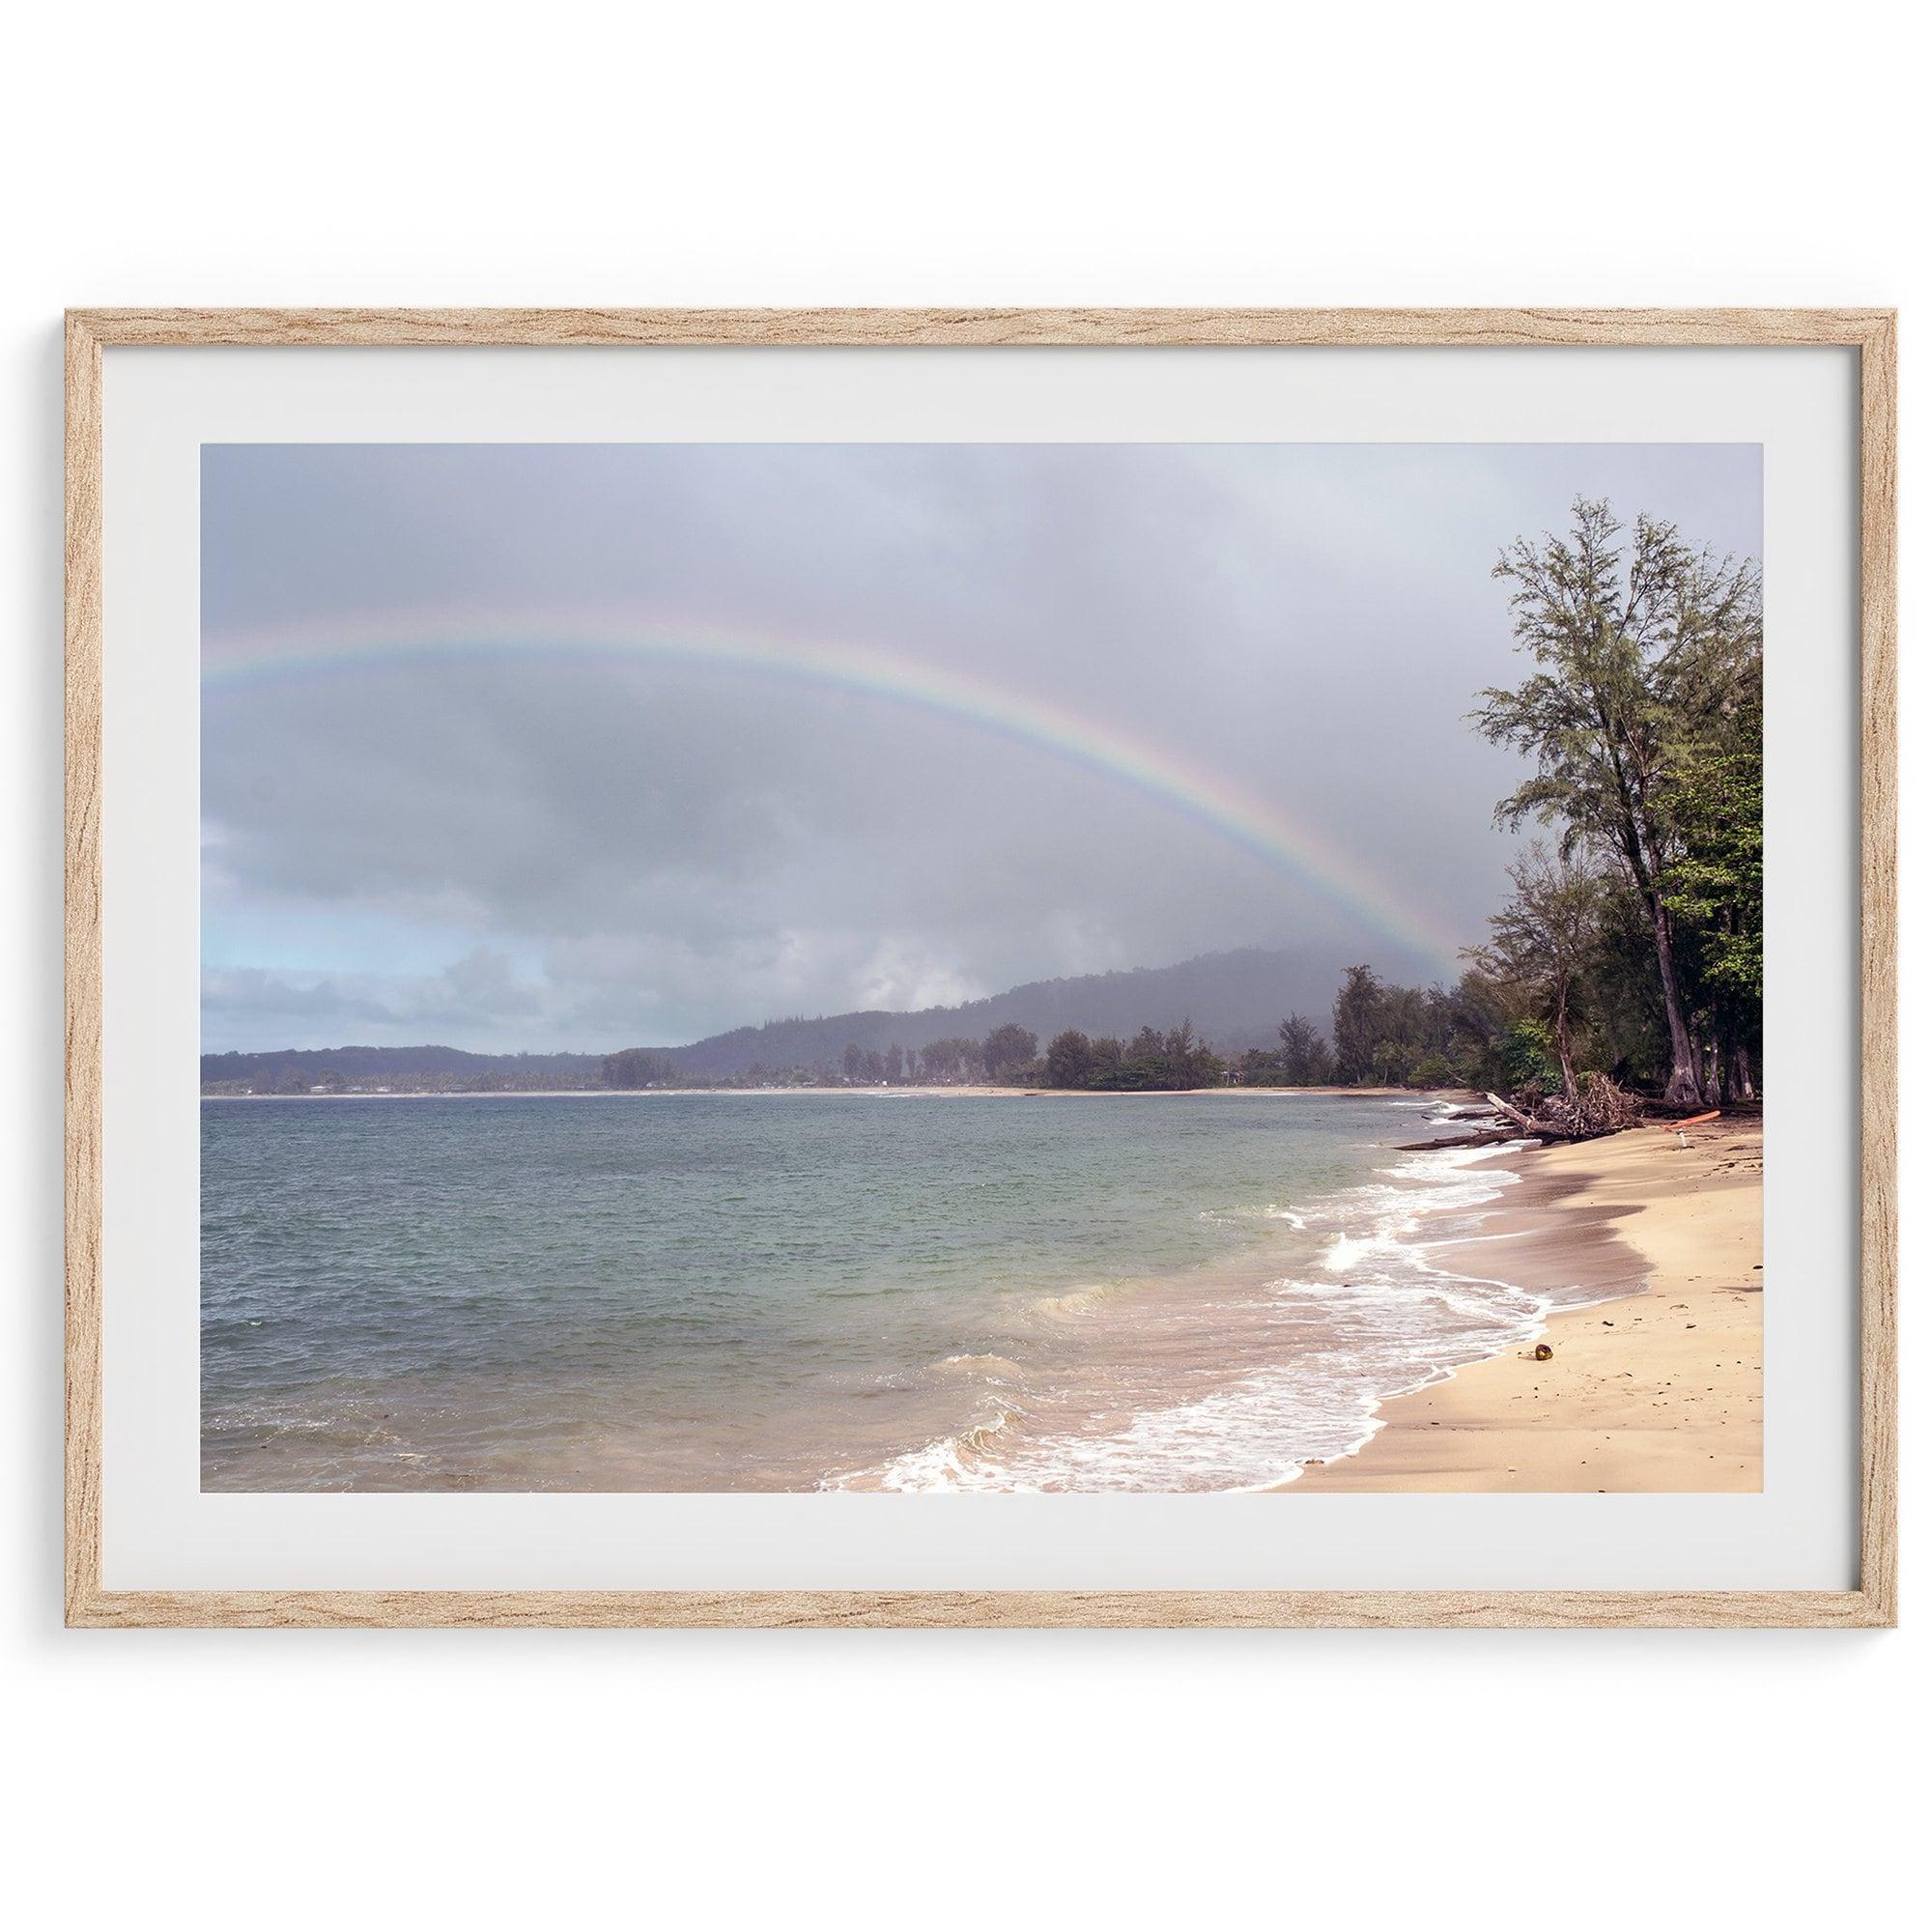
(1732, 1080)
(1742, 1085)
(1683, 1087)
(1563, 1047)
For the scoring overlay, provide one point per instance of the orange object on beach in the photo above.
(1695, 1119)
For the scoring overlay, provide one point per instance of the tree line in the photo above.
(1008, 1055)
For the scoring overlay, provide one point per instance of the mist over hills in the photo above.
(1236, 1000)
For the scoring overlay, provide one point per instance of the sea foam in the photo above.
(1367, 1317)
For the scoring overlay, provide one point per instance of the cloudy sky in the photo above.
(591, 746)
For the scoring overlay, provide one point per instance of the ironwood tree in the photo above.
(1644, 650)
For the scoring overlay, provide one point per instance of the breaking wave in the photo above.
(1359, 1313)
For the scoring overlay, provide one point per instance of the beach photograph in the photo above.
(1001, 968)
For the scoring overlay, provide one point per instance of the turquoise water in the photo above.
(868, 1289)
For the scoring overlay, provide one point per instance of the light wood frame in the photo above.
(1871, 332)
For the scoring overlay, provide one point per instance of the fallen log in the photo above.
(1543, 1130)
(1488, 1137)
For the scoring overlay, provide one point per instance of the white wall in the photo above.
(993, 153)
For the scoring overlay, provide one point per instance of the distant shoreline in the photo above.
(963, 1093)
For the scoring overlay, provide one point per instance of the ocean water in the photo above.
(797, 1291)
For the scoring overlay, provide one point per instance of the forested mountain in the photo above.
(416, 1068)
(1236, 1000)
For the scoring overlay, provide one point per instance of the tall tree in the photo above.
(1304, 1054)
(1070, 1059)
(1007, 1049)
(1641, 649)
(1356, 1025)
(1192, 1062)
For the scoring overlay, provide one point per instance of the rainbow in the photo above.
(1197, 792)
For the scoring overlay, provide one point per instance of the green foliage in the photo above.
(640, 1067)
(1303, 1058)
(1357, 1027)
(1646, 654)
(1151, 1062)
(1543, 944)
(1069, 1059)
(1527, 1056)
(1006, 1051)
(1713, 884)
(1626, 1033)
(1398, 1035)
(1639, 650)
(950, 1063)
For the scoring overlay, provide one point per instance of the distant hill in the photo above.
(444, 1068)
(1236, 1000)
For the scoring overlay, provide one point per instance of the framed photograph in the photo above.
(981, 968)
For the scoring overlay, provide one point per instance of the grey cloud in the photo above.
(479, 985)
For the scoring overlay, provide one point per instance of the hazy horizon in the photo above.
(558, 748)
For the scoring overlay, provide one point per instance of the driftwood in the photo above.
(1488, 1137)
(1599, 1107)
(1543, 1130)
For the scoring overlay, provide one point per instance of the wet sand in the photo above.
(1658, 1390)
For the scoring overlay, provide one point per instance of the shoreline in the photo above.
(1636, 1258)
(1650, 1387)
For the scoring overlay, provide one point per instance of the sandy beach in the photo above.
(1657, 1390)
